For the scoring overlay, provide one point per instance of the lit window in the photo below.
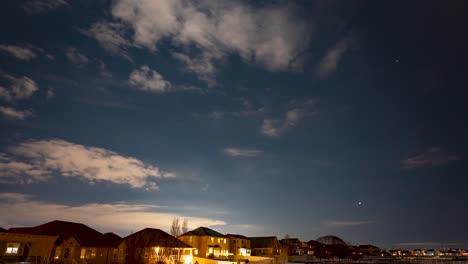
(58, 253)
(219, 240)
(191, 239)
(212, 239)
(12, 248)
(224, 241)
(195, 251)
(210, 250)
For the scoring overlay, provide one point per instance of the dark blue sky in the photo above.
(304, 118)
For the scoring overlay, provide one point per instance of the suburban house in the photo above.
(68, 243)
(16, 247)
(239, 246)
(208, 243)
(293, 246)
(151, 246)
(265, 246)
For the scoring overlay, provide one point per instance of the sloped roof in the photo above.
(236, 236)
(151, 237)
(263, 242)
(85, 234)
(203, 231)
(113, 238)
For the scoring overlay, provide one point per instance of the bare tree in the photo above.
(175, 227)
(185, 226)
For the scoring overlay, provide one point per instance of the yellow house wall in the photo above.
(202, 242)
(39, 246)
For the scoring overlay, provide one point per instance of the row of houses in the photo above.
(75, 243)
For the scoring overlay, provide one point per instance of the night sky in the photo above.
(261, 118)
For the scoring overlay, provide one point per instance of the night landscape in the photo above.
(233, 131)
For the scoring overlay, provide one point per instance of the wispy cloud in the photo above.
(38, 160)
(75, 56)
(19, 209)
(275, 127)
(430, 158)
(347, 223)
(207, 32)
(19, 88)
(239, 152)
(42, 6)
(330, 61)
(21, 53)
(11, 112)
(110, 36)
(146, 79)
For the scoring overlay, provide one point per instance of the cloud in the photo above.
(19, 88)
(347, 223)
(238, 152)
(430, 158)
(329, 63)
(19, 209)
(38, 160)
(208, 31)
(275, 127)
(146, 79)
(14, 113)
(42, 6)
(22, 53)
(76, 57)
(110, 36)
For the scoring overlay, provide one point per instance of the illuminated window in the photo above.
(212, 239)
(224, 241)
(191, 239)
(88, 253)
(210, 250)
(12, 248)
(58, 253)
(219, 240)
(195, 251)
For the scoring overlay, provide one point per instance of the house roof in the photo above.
(236, 236)
(151, 237)
(203, 231)
(290, 241)
(85, 235)
(263, 242)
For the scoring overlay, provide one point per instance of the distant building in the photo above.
(208, 243)
(370, 250)
(239, 245)
(293, 246)
(265, 246)
(156, 246)
(64, 242)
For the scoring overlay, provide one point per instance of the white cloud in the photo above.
(41, 6)
(238, 152)
(18, 210)
(146, 79)
(271, 37)
(347, 223)
(38, 160)
(110, 36)
(329, 63)
(19, 88)
(76, 57)
(22, 53)
(430, 158)
(275, 127)
(11, 112)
